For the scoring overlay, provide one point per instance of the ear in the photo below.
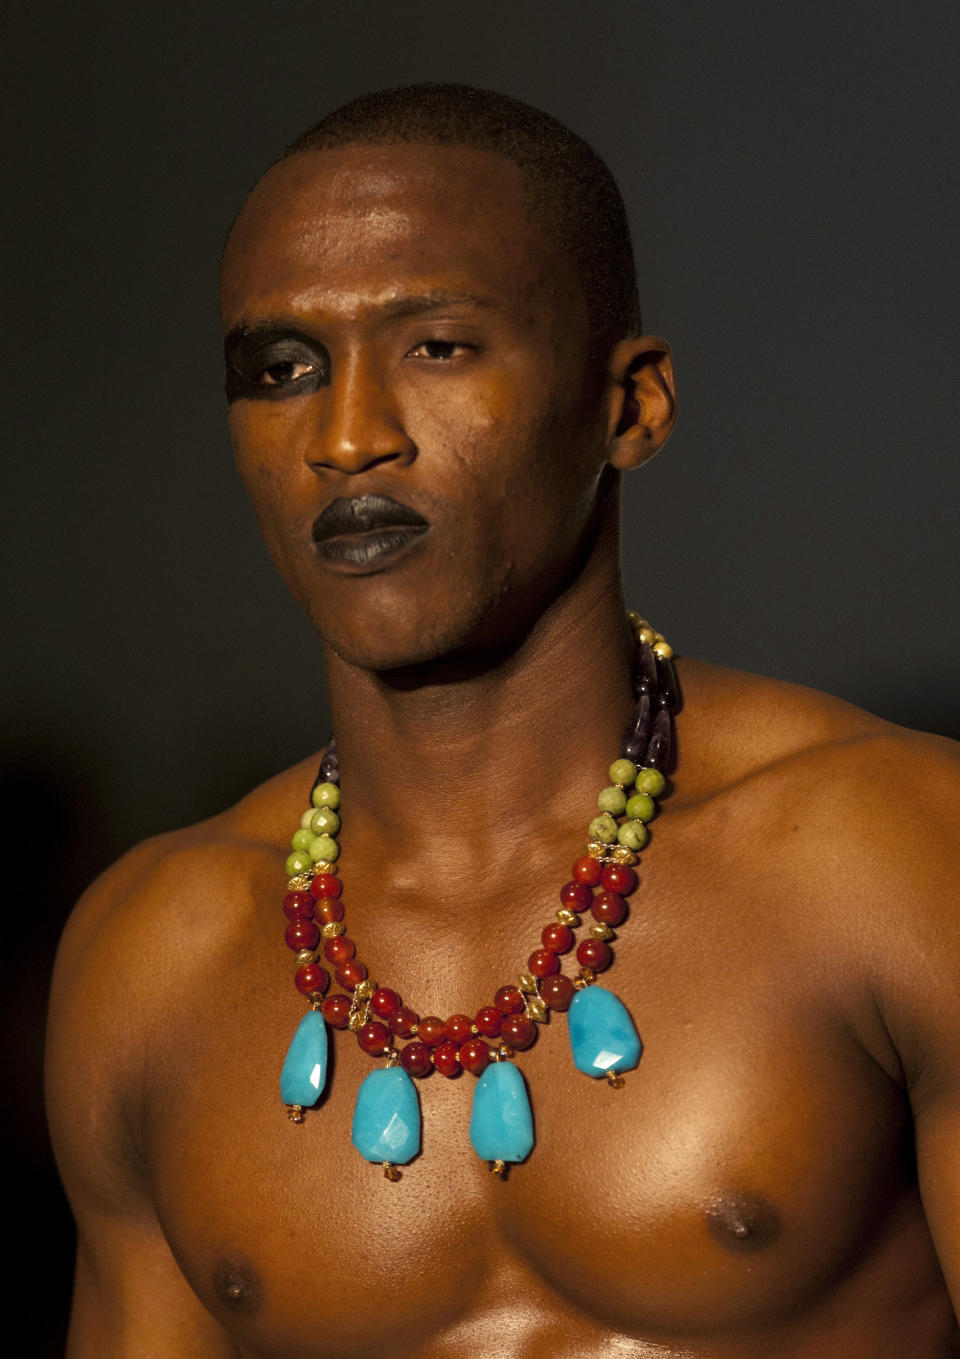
(643, 401)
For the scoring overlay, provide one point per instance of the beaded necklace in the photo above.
(603, 1039)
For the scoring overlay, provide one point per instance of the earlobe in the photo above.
(643, 406)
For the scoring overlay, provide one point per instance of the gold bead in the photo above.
(390, 1172)
(579, 983)
(622, 855)
(601, 931)
(316, 1000)
(537, 1009)
(415, 1029)
(639, 622)
(567, 917)
(499, 1168)
(295, 1113)
(393, 1057)
(324, 866)
(664, 650)
(332, 929)
(356, 1021)
(502, 1053)
(596, 849)
(365, 989)
(300, 882)
(306, 955)
(528, 983)
(646, 635)
(615, 1080)
(474, 1029)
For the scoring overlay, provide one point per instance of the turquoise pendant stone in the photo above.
(386, 1117)
(602, 1035)
(304, 1072)
(501, 1123)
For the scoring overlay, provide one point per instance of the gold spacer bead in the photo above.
(502, 1053)
(332, 929)
(316, 1000)
(537, 1009)
(499, 1168)
(596, 849)
(622, 855)
(365, 989)
(306, 955)
(567, 917)
(473, 1029)
(664, 650)
(615, 1080)
(415, 1029)
(324, 866)
(393, 1057)
(528, 983)
(356, 1021)
(601, 931)
(391, 1172)
(295, 1113)
(579, 983)
(588, 974)
(300, 882)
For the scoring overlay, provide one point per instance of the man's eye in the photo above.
(440, 350)
(280, 374)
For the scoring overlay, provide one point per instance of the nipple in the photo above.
(743, 1222)
(238, 1285)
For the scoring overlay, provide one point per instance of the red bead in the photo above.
(338, 949)
(518, 1031)
(445, 1059)
(298, 906)
(608, 908)
(432, 1030)
(595, 954)
(619, 878)
(459, 1028)
(474, 1056)
(311, 978)
(508, 1000)
(326, 885)
(557, 938)
(384, 1002)
(415, 1059)
(336, 1011)
(374, 1038)
(587, 870)
(556, 991)
(488, 1020)
(350, 974)
(576, 896)
(328, 909)
(402, 1021)
(301, 934)
(542, 962)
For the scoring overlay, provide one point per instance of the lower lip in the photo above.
(363, 553)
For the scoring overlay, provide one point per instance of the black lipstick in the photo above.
(362, 532)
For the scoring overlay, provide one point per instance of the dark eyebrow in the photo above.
(414, 304)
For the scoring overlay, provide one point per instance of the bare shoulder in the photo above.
(136, 942)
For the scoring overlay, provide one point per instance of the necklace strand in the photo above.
(601, 880)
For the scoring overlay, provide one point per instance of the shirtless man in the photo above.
(417, 315)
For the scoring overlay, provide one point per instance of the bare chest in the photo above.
(738, 1176)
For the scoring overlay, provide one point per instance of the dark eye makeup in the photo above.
(263, 365)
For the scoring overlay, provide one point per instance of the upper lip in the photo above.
(364, 514)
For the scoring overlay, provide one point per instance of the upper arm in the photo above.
(131, 1298)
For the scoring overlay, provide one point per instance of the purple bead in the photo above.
(637, 735)
(658, 747)
(669, 690)
(645, 670)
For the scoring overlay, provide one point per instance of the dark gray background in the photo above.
(790, 171)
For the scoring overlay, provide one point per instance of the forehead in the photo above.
(358, 224)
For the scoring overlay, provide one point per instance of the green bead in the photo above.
(633, 834)
(298, 862)
(325, 822)
(305, 819)
(641, 807)
(623, 771)
(301, 839)
(326, 795)
(323, 847)
(651, 781)
(603, 828)
(612, 800)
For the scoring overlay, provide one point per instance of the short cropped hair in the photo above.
(571, 192)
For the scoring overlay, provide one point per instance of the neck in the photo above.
(464, 768)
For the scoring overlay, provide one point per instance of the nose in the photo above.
(360, 423)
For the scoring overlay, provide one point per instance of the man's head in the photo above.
(414, 319)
